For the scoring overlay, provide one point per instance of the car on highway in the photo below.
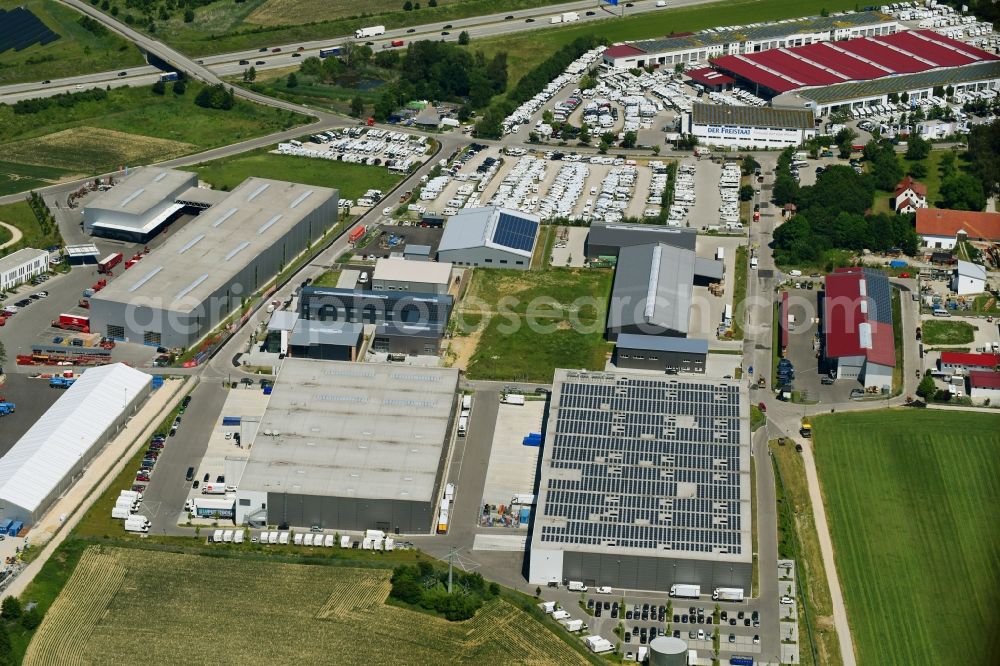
(449, 26)
(122, 73)
(262, 49)
(296, 55)
(445, 32)
(244, 62)
(591, 13)
(46, 82)
(509, 17)
(529, 20)
(411, 30)
(261, 62)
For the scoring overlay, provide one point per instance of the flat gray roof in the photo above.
(143, 189)
(491, 226)
(713, 269)
(366, 430)
(404, 270)
(752, 116)
(204, 255)
(309, 332)
(22, 256)
(664, 343)
(640, 465)
(624, 235)
(653, 286)
(202, 196)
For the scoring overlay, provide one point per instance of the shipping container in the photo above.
(105, 265)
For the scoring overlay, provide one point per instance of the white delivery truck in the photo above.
(227, 536)
(121, 513)
(213, 489)
(373, 31)
(560, 615)
(238, 536)
(127, 503)
(728, 594)
(555, 19)
(217, 536)
(137, 524)
(463, 425)
(466, 403)
(576, 586)
(328, 541)
(272, 538)
(720, 253)
(513, 399)
(685, 591)
(283, 538)
(136, 496)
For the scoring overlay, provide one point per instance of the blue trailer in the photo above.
(326, 53)
(897, 263)
(61, 382)
(15, 527)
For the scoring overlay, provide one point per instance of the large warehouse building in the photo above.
(749, 127)
(350, 447)
(54, 452)
(698, 47)
(491, 237)
(645, 483)
(857, 326)
(201, 274)
(653, 287)
(136, 208)
(607, 240)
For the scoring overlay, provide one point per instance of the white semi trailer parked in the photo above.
(728, 594)
(685, 591)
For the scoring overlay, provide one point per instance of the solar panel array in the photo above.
(19, 29)
(645, 463)
(879, 296)
(515, 232)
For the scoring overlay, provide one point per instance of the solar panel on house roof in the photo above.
(515, 232)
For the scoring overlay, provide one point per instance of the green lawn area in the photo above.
(352, 180)
(132, 126)
(739, 291)
(539, 321)
(944, 332)
(77, 51)
(327, 279)
(22, 177)
(932, 180)
(21, 216)
(757, 418)
(911, 500)
(525, 50)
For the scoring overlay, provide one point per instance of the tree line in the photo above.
(62, 100)
(491, 123)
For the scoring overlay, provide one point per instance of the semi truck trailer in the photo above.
(685, 591)
(728, 594)
(373, 31)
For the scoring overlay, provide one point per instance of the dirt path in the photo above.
(16, 235)
(826, 548)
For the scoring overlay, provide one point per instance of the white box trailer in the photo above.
(297, 540)
(137, 524)
(560, 615)
(728, 594)
(283, 538)
(345, 541)
(685, 591)
(121, 513)
(328, 541)
(272, 538)
(307, 540)
(513, 399)
(227, 536)
(217, 536)
(263, 537)
(573, 625)
(238, 536)
(576, 586)
(569, 17)
(372, 31)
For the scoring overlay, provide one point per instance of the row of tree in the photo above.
(425, 586)
(62, 100)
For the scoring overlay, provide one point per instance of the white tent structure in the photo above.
(43, 464)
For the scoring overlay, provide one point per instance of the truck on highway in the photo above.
(169, 76)
(332, 51)
(569, 17)
(373, 31)
(394, 44)
(728, 594)
(685, 591)
(137, 524)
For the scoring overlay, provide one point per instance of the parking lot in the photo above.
(32, 397)
(513, 467)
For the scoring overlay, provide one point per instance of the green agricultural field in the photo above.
(538, 321)
(21, 177)
(352, 180)
(326, 614)
(945, 332)
(911, 498)
(132, 126)
(77, 51)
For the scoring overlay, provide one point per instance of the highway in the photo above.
(211, 68)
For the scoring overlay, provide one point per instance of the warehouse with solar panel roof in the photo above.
(489, 237)
(645, 483)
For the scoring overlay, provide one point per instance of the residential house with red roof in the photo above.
(909, 196)
(857, 326)
(941, 228)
